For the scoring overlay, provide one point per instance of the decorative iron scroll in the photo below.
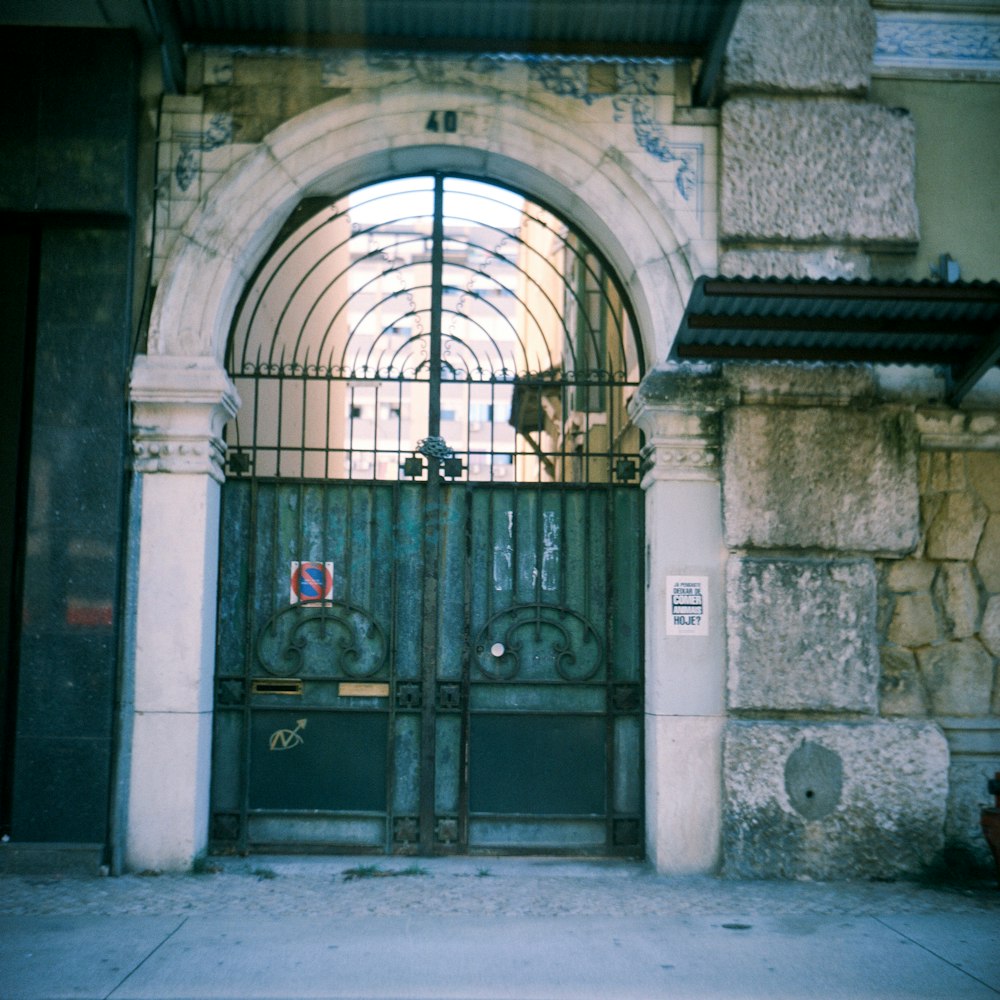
(535, 637)
(322, 639)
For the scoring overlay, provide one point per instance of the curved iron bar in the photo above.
(562, 650)
(512, 261)
(341, 274)
(539, 287)
(383, 363)
(331, 284)
(400, 354)
(309, 612)
(355, 330)
(380, 194)
(363, 354)
(582, 254)
(405, 290)
(421, 338)
(452, 289)
(424, 287)
(290, 247)
(540, 327)
(453, 339)
(360, 290)
(529, 204)
(569, 345)
(347, 299)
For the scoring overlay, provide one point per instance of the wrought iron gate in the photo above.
(430, 631)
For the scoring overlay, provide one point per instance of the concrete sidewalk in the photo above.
(491, 928)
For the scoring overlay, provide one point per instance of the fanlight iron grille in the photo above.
(434, 325)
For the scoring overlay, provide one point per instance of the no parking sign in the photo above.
(310, 581)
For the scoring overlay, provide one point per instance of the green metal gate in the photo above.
(425, 648)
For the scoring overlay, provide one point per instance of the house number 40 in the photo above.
(442, 121)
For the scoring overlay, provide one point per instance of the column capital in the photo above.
(180, 406)
(678, 411)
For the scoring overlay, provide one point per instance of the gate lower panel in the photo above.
(329, 732)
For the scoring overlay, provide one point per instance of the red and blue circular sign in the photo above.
(311, 581)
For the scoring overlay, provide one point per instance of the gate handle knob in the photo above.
(497, 649)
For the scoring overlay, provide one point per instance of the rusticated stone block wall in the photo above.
(940, 628)
(805, 47)
(812, 180)
(824, 799)
(800, 172)
(820, 478)
(824, 500)
(803, 636)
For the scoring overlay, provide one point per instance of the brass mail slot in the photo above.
(364, 690)
(265, 685)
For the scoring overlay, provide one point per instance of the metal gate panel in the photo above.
(430, 634)
(554, 677)
(535, 711)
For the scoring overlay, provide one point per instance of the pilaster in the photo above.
(685, 663)
(180, 406)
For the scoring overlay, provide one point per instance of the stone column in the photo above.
(685, 673)
(180, 406)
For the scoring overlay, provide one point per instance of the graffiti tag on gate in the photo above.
(287, 739)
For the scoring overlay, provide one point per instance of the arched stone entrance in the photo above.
(182, 398)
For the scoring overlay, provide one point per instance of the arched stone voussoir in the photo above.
(344, 144)
(216, 255)
(195, 299)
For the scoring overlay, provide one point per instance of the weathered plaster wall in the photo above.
(956, 188)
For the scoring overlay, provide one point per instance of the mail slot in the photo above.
(267, 685)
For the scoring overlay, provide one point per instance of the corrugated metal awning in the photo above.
(598, 29)
(657, 28)
(955, 326)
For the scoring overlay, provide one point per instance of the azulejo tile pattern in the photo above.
(242, 95)
(940, 43)
(218, 132)
(632, 102)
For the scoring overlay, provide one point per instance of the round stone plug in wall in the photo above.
(814, 778)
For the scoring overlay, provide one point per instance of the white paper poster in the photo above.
(687, 605)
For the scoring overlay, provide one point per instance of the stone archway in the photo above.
(182, 397)
(336, 148)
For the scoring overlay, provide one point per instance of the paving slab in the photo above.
(448, 958)
(536, 929)
(49, 958)
(971, 943)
